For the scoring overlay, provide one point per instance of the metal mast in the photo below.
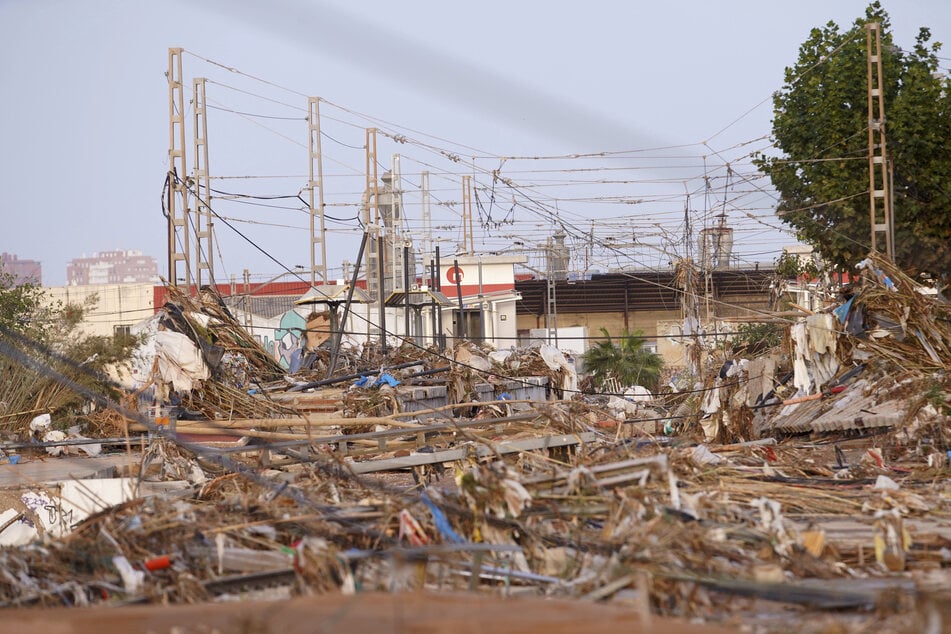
(880, 205)
(318, 232)
(395, 200)
(467, 243)
(551, 303)
(177, 203)
(204, 237)
(427, 216)
(371, 213)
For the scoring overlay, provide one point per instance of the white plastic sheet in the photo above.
(41, 423)
(179, 360)
(555, 359)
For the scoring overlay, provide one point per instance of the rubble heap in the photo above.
(810, 479)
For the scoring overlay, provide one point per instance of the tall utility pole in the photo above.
(551, 303)
(371, 181)
(318, 232)
(204, 237)
(427, 218)
(179, 247)
(880, 203)
(468, 245)
(371, 213)
(395, 229)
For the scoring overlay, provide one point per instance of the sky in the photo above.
(619, 123)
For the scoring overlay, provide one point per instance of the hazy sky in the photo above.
(84, 117)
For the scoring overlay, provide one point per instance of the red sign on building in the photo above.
(455, 274)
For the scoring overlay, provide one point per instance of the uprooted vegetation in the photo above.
(813, 475)
(38, 334)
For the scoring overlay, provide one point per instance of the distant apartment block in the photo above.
(112, 267)
(23, 271)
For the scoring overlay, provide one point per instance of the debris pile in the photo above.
(691, 531)
(876, 361)
(812, 478)
(200, 361)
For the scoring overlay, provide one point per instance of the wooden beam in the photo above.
(479, 451)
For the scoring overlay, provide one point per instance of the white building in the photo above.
(116, 306)
(486, 285)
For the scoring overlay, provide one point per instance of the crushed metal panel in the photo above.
(55, 508)
(847, 411)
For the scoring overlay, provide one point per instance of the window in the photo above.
(122, 331)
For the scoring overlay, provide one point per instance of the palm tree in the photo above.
(628, 361)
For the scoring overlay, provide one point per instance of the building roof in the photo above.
(638, 290)
(447, 260)
(268, 306)
(333, 294)
(419, 297)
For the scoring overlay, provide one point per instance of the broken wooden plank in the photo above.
(480, 451)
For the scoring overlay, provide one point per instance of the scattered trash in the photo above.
(884, 483)
(41, 423)
(814, 475)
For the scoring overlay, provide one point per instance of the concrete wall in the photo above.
(740, 306)
(504, 324)
(281, 335)
(117, 304)
(478, 274)
(656, 324)
(616, 323)
(662, 328)
(668, 347)
(501, 321)
(418, 397)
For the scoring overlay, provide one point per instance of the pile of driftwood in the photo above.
(704, 505)
(876, 359)
(691, 530)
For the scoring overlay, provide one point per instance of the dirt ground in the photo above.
(370, 612)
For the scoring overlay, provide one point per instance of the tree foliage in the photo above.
(50, 334)
(754, 338)
(790, 265)
(23, 308)
(820, 126)
(628, 361)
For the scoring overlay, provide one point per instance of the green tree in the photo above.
(754, 338)
(820, 127)
(790, 265)
(628, 361)
(24, 309)
(50, 333)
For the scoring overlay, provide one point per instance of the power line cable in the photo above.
(387, 333)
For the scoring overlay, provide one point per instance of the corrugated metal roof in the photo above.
(267, 307)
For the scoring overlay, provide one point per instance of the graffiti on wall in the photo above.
(287, 337)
